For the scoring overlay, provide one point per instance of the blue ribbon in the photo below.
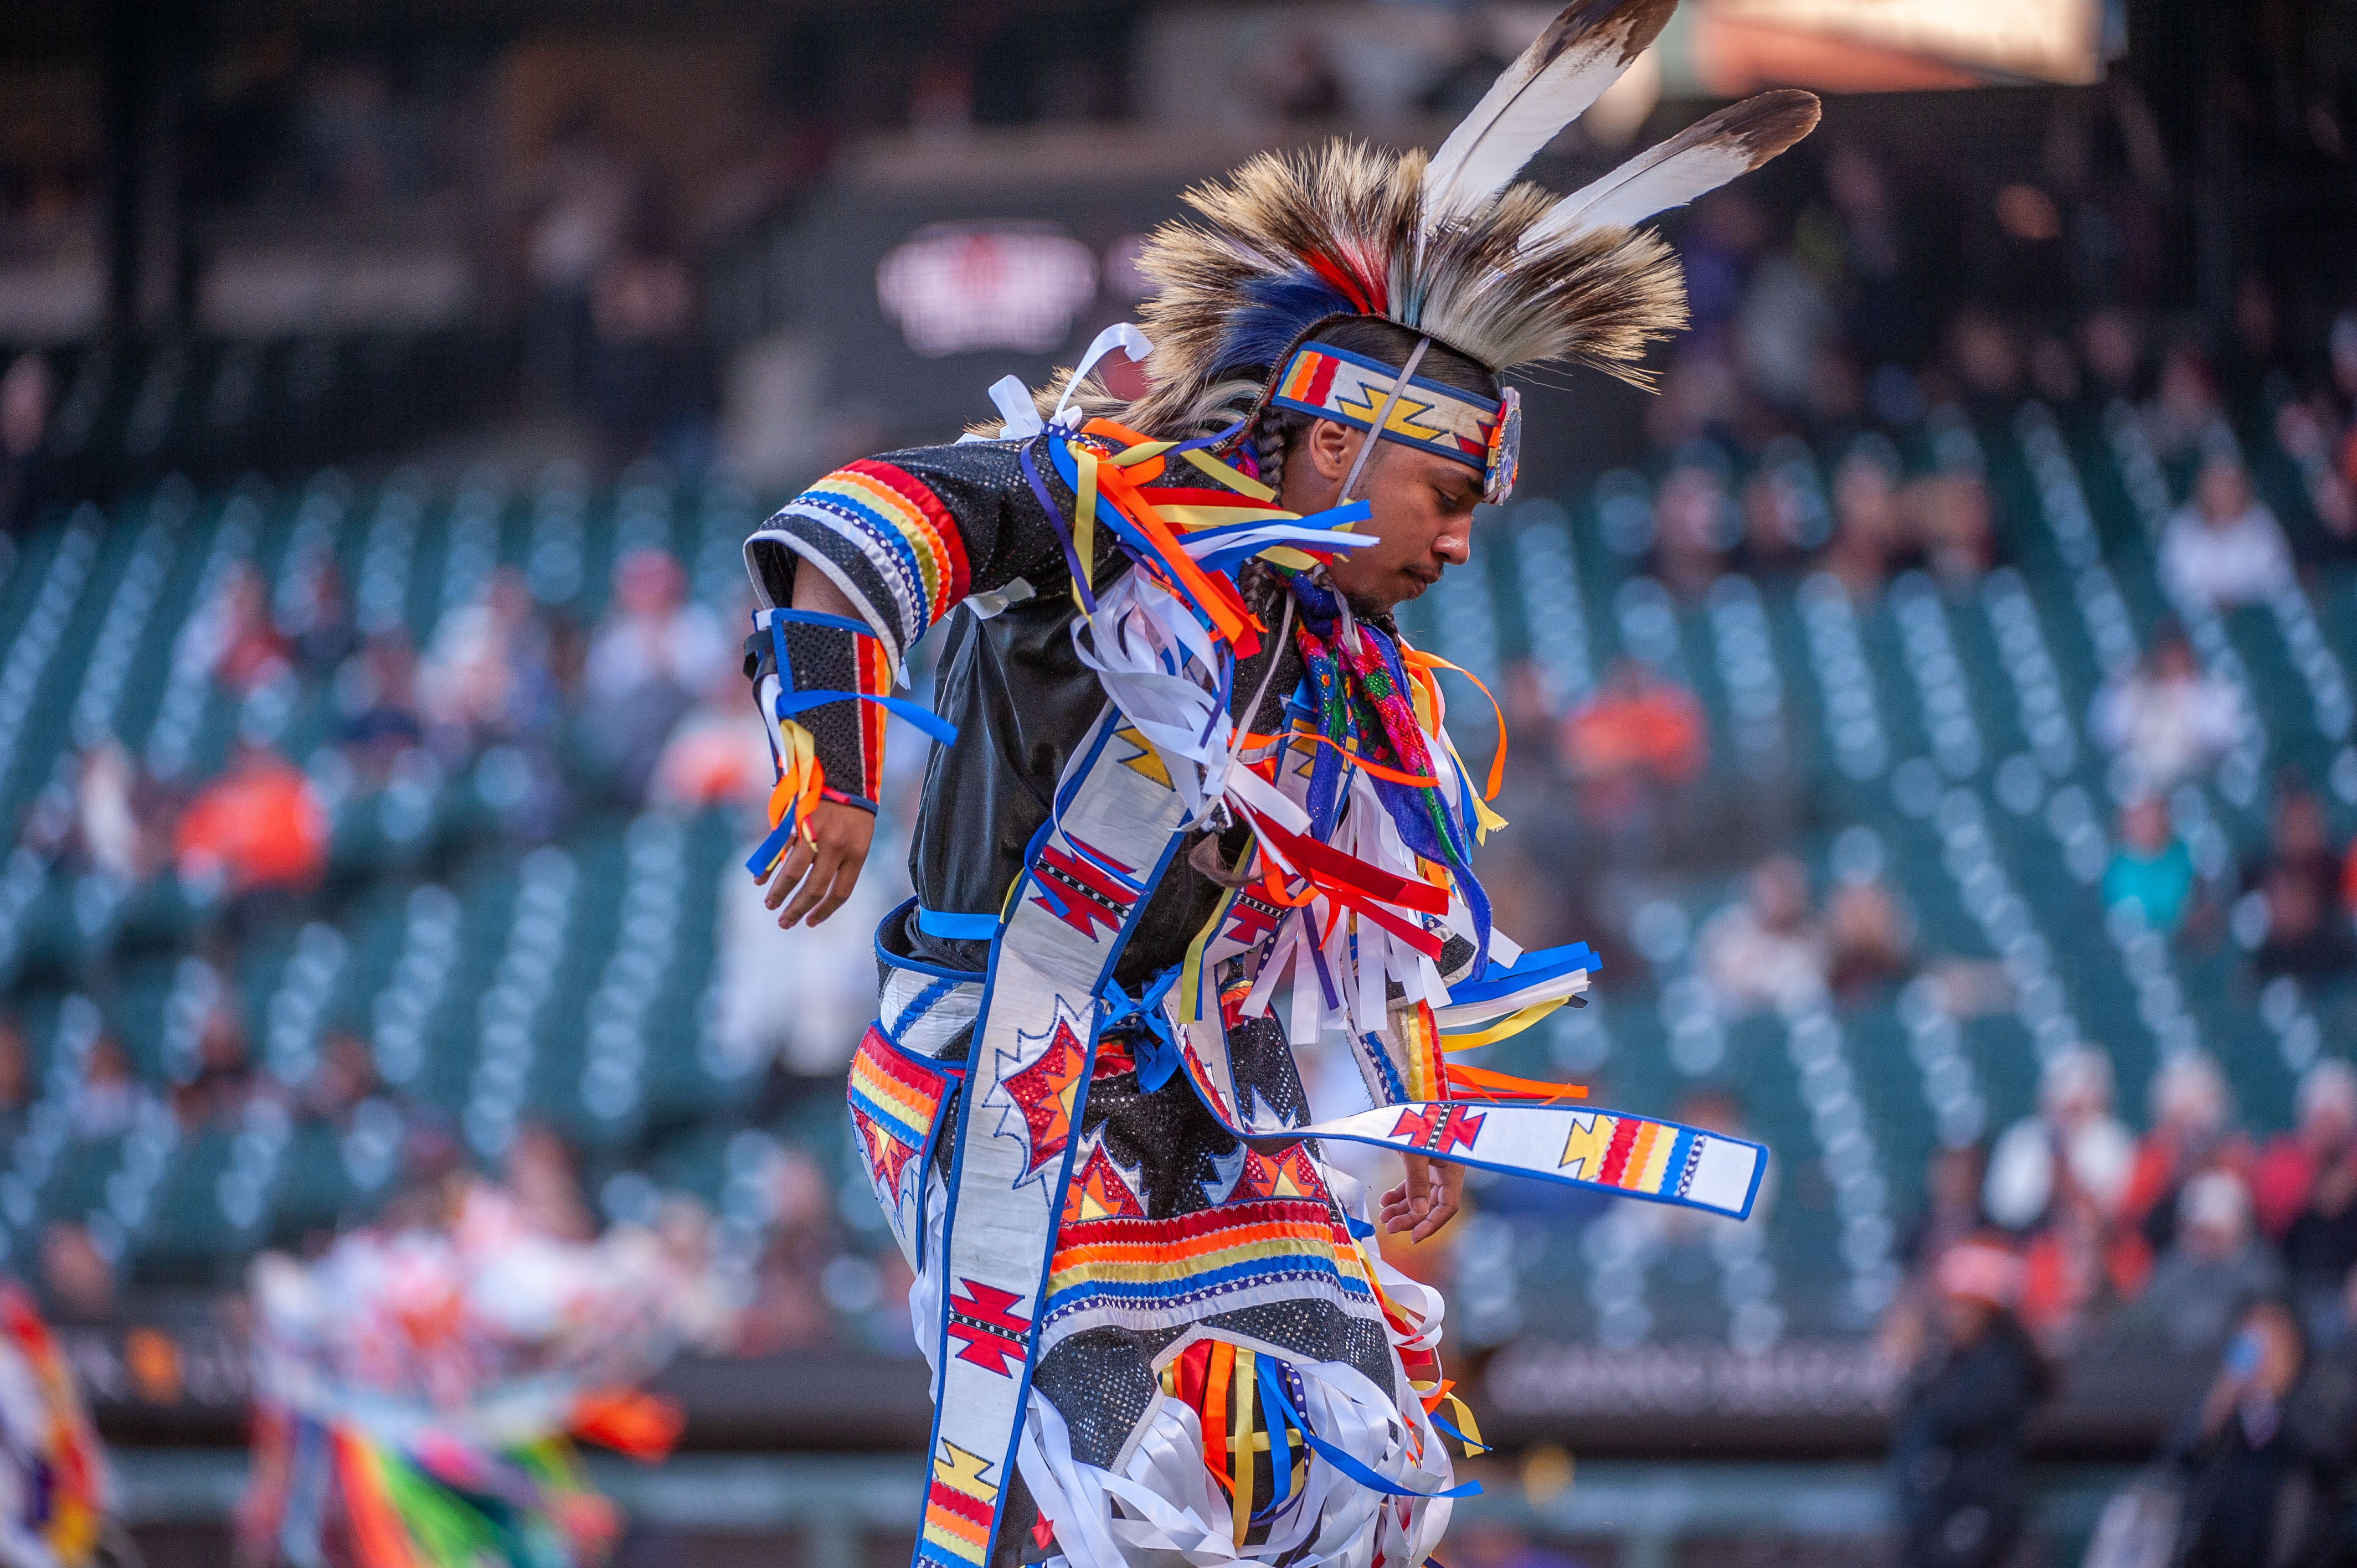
(1350, 1466)
(1157, 1053)
(953, 928)
(1280, 1450)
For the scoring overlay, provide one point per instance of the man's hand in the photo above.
(1427, 1200)
(820, 868)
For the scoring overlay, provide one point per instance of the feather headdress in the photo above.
(1452, 245)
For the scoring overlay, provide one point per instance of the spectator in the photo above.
(653, 653)
(2151, 871)
(314, 615)
(2266, 1457)
(1640, 736)
(258, 827)
(2324, 1138)
(26, 393)
(1695, 524)
(2079, 1262)
(1871, 950)
(2224, 548)
(1950, 522)
(224, 1078)
(377, 715)
(2072, 1139)
(2171, 719)
(2192, 1111)
(786, 1311)
(487, 677)
(108, 1100)
(1867, 534)
(2216, 1267)
(16, 1080)
(2307, 935)
(641, 371)
(77, 1282)
(2319, 1243)
(719, 754)
(345, 1076)
(248, 651)
(1952, 1211)
(122, 825)
(2184, 411)
(1955, 1449)
(1767, 951)
(2297, 843)
(546, 1185)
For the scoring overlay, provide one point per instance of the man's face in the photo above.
(1420, 512)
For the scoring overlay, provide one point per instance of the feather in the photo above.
(1567, 67)
(1699, 159)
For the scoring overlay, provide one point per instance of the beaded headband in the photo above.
(1351, 389)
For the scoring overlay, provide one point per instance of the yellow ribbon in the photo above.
(1084, 520)
(1510, 1024)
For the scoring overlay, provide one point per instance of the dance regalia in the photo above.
(1191, 811)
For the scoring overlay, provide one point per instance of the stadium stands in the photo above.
(1933, 737)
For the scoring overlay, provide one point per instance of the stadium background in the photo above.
(388, 386)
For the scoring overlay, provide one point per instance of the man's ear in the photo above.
(1331, 448)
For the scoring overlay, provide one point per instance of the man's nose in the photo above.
(1454, 548)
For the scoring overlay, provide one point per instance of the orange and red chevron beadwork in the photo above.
(902, 531)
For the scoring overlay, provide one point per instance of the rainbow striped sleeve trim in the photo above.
(887, 540)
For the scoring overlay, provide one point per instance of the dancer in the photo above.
(1194, 803)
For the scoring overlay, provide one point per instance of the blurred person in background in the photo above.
(642, 374)
(1767, 950)
(77, 1282)
(653, 651)
(2324, 1137)
(2307, 935)
(2073, 1136)
(314, 614)
(376, 707)
(1951, 1206)
(345, 1076)
(788, 1312)
(2224, 548)
(16, 1080)
(577, 204)
(1950, 520)
(108, 1100)
(2216, 1266)
(2299, 842)
(1872, 950)
(2168, 717)
(2265, 1458)
(258, 830)
(487, 677)
(719, 754)
(2192, 1130)
(26, 391)
(2151, 870)
(247, 648)
(1640, 737)
(224, 1081)
(2184, 410)
(1868, 532)
(541, 1174)
(1696, 526)
(1957, 1443)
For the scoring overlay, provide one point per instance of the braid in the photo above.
(1272, 433)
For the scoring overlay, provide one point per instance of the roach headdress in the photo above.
(1451, 246)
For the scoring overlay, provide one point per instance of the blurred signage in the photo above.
(956, 287)
(1880, 45)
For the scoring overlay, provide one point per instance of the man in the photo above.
(1196, 804)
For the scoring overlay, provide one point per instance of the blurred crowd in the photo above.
(2198, 1243)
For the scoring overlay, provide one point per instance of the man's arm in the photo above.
(820, 868)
